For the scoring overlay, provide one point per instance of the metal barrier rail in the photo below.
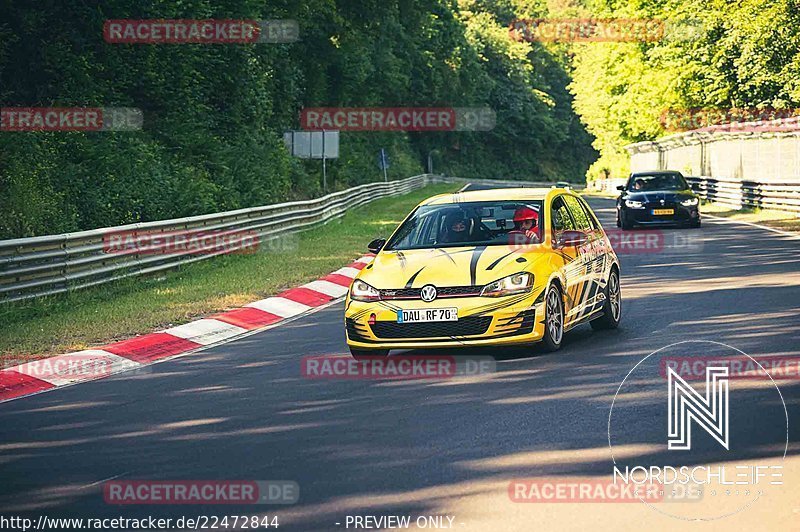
(748, 194)
(507, 183)
(731, 193)
(52, 264)
(46, 265)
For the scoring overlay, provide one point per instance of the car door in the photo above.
(584, 256)
(572, 269)
(594, 252)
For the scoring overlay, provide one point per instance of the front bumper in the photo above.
(512, 320)
(681, 215)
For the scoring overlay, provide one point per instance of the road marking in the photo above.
(728, 221)
(326, 287)
(306, 296)
(206, 331)
(247, 318)
(182, 340)
(347, 272)
(79, 366)
(280, 306)
(150, 347)
(103, 480)
(14, 384)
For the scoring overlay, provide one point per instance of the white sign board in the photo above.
(313, 144)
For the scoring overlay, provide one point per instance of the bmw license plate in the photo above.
(663, 212)
(428, 314)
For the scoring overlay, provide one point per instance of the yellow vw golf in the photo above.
(481, 268)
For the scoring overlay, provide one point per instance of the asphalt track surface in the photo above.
(242, 410)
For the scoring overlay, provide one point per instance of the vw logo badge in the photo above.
(428, 293)
(663, 202)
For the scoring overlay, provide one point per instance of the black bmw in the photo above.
(657, 198)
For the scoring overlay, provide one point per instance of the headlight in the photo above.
(691, 202)
(634, 204)
(519, 283)
(361, 291)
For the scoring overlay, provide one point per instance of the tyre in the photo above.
(612, 307)
(619, 224)
(553, 319)
(366, 354)
(695, 224)
(625, 223)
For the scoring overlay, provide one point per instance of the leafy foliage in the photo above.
(215, 114)
(718, 54)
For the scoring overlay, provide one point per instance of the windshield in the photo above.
(469, 224)
(644, 183)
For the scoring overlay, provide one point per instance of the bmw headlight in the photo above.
(519, 283)
(361, 291)
(632, 204)
(690, 202)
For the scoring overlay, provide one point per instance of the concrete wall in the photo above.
(762, 156)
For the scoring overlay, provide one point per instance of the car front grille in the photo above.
(469, 326)
(441, 292)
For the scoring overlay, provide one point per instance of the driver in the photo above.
(456, 227)
(526, 226)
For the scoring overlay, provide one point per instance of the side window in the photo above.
(590, 214)
(562, 221)
(582, 220)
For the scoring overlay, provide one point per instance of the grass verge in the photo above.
(785, 221)
(104, 314)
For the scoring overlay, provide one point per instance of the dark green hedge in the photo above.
(214, 114)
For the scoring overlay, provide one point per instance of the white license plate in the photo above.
(428, 314)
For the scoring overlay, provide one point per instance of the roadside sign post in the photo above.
(324, 165)
(383, 163)
(314, 145)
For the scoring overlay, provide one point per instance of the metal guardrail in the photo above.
(508, 183)
(731, 193)
(52, 264)
(748, 194)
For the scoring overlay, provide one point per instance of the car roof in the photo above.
(656, 172)
(496, 194)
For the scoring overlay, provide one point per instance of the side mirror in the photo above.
(621, 187)
(571, 239)
(376, 245)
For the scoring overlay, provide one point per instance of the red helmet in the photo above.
(526, 213)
